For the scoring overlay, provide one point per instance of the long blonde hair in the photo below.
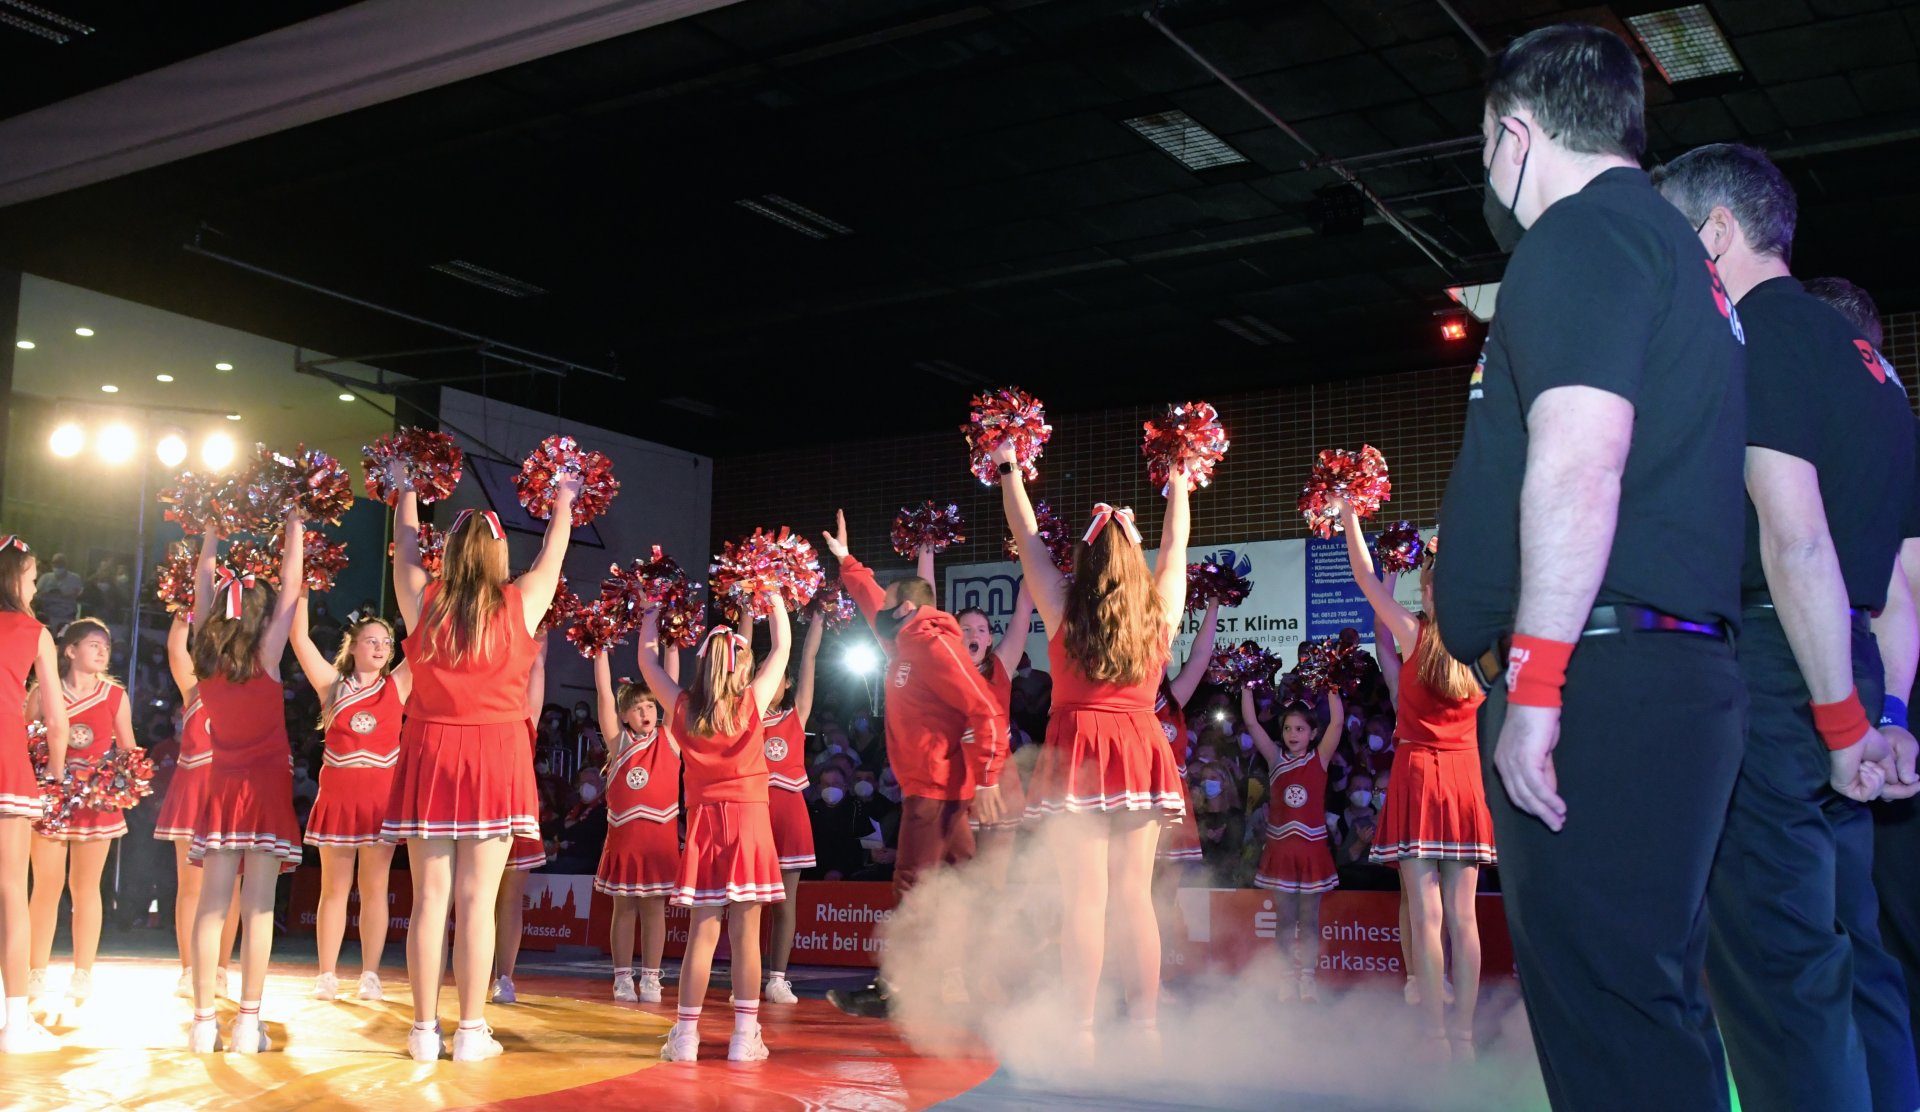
(343, 663)
(459, 622)
(1114, 627)
(1441, 673)
(721, 677)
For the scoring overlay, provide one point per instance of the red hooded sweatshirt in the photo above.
(945, 733)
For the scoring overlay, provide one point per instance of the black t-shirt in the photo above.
(1609, 289)
(1816, 390)
(1912, 525)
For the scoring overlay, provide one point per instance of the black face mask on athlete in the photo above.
(1703, 227)
(887, 623)
(1501, 219)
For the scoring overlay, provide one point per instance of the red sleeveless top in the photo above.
(1072, 690)
(487, 687)
(644, 781)
(1297, 804)
(365, 731)
(786, 743)
(19, 644)
(725, 769)
(196, 736)
(1425, 717)
(90, 721)
(249, 722)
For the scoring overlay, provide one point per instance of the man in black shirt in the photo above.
(1812, 1008)
(1595, 506)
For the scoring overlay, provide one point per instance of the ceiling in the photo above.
(1003, 223)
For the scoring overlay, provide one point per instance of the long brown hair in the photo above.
(343, 663)
(719, 679)
(459, 621)
(1441, 673)
(230, 647)
(15, 561)
(1113, 625)
(72, 634)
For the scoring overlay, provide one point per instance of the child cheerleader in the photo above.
(786, 743)
(361, 695)
(1296, 862)
(25, 646)
(730, 867)
(99, 718)
(246, 825)
(996, 662)
(640, 862)
(527, 854)
(464, 787)
(181, 809)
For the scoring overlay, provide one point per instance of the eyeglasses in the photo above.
(387, 641)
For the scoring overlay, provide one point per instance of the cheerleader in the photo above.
(98, 718)
(640, 862)
(361, 695)
(730, 867)
(527, 854)
(1435, 826)
(181, 809)
(1296, 862)
(1105, 769)
(246, 826)
(785, 733)
(25, 646)
(464, 787)
(1182, 843)
(996, 662)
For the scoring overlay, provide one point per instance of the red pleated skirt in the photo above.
(1104, 761)
(729, 857)
(1013, 802)
(1181, 840)
(641, 858)
(527, 854)
(352, 805)
(1297, 864)
(1437, 809)
(249, 810)
(180, 809)
(463, 782)
(792, 829)
(19, 790)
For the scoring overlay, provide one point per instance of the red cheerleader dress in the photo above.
(1437, 809)
(730, 856)
(1297, 858)
(527, 853)
(187, 791)
(1182, 842)
(465, 767)
(1013, 794)
(249, 795)
(90, 734)
(1104, 750)
(356, 773)
(642, 854)
(19, 645)
(786, 744)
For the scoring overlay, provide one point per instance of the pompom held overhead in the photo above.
(1008, 415)
(1357, 478)
(928, 525)
(1398, 548)
(559, 456)
(1187, 437)
(429, 462)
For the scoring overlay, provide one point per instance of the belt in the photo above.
(1601, 621)
(1750, 601)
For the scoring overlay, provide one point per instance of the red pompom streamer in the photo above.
(746, 571)
(1187, 437)
(565, 607)
(1008, 415)
(114, 781)
(1398, 548)
(430, 465)
(833, 605)
(174, 581)
(1242, 665)
(1330, 664)
(557, 456)
(682, 622)
(321, 560)
(927, 525)
(659, 580)
(190, 501)
(246, 555)
(594, 630)
(1359, 478)
(433, 549)
(1054, 533)
(1211, 581)
(311, 480)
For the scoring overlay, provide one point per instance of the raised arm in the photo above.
(538, 583)
(1195, 669)
(53, 710)
(293, 576)
(856, 577)
(180, 657)
(1336, 722)
(651, 668)
(410, 576)
(1250, 718)
(1043, 581)
(319, 670)
(1170, 574)
(1013, 642)
(204, 606)
(1387, 610)
(1389, 662)
(766, 680)
(923, 563)
(606, 709)
(803, 683)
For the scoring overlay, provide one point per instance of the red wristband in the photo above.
(1537, 670)
(1841, 723)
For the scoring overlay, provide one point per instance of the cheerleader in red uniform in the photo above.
(996, 662)
(528, 853)
(1435, 826)
(1181, 846)
(730, 867)
(25, 646)
(640, 862)
(246, 825)
(1105, 771)
(1296, 862)
(361, 695)
(464, 787)
(98, 718)
(181, 809)
(785, 731)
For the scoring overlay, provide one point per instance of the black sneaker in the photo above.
(872, 1002)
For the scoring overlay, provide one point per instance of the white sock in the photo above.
(645, 972)
(746, 1016)
(427, 1025)
(203, 1015)
(17, 1011)
(471, 1025)
(776, 974)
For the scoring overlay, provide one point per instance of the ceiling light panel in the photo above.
(794, 216)
(487, 279)
(1181, 136)
(1685, 43)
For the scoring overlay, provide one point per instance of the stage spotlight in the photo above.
(172, 450)
(116, 443)
(83, 332)
(861, 660)
(216, 451)
(1453, 329)
(223, 366)
(67, 440)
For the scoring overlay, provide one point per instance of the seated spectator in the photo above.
(1217, 818)
(839, 821)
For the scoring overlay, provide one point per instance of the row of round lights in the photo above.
(118, 442)
(110, 388)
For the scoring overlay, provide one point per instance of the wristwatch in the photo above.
(1006, 467)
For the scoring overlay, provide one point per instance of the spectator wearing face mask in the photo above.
(839, 822)
(1216, 809)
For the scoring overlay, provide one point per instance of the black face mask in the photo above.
(887, 623)
(1501, 219)
(1703, 227)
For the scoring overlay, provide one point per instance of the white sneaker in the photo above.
(27, 1037)
(36, 983)
(370, 986)
(425, 1046)
(203, 1036)
(475, 1044)
(623, 988)
(80, 986)
(1309, 992)
(779, 990)
(747, 1046)
(503, 991)
(649, 987)
(184, 987)
(682, 1043)
(247, 1036)
(326, 986)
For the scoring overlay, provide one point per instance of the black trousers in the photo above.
(1896, 850)
(1608, 916)
(1812, 1007)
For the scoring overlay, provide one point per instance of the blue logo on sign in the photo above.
(991, 593)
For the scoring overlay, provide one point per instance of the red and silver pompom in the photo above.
(558, 456)
(565, 607)
(173, 583)
(682, 621)
(627, 593)
(1226, 584)
(192, 501)
(1398, 548)
(833, 605)
(1054, 532)
(433, 549)
(246, 555)
(1188, 437)
(430, 464)
(1358, 478)
(311, 480)
(928, 525)
(1242, 665)
(1008, 415)
(594, 631)
(746, 571)
(321, 560)
(1331, 664)
(114, 781)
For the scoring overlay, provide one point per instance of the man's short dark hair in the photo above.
(1851, 302)
(912, 589)
(1742, 179)
(1582, 84)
